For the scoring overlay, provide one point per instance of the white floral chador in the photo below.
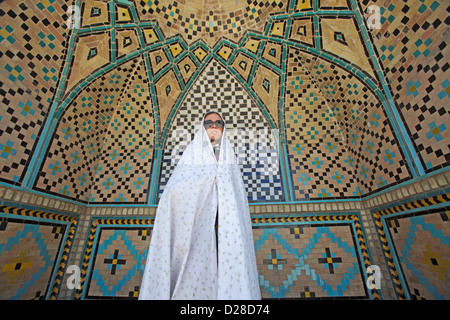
(182, 261)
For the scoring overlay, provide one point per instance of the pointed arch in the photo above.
(215, 88)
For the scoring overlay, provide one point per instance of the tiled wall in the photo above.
(304, 250)
(248, 131)
(209, 20)
(411, 45)
(350, 123)
(33, 41)
(345, 116)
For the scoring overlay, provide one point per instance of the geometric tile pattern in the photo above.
(296, 258)
(372, 150)
(413, 50)
(308, 262)
(91, 52)
(33, 253)
(72, 159)
(114, 258)
(119, 263)
(210, 20)
(32, 41)
(417, 247)
(337, 36)
(124, 163)
(377, 95)
(254, 145)
(21, 270)
(423, 247)
(315, 145)
(88, 114)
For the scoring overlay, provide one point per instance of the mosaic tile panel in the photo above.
(72, 155)
(422, 245)
(309, 257)
(321, 166)
(415, 239)
(254, 144)
(91, 53)
(34, 248)
(32, 40)
(122, 172)
(208, 20)
(366, 130)
(114, 258)
(308, 262)
(118, 264)
(412, 48)
(94, 13)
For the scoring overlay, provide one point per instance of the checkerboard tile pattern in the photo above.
(255, 147)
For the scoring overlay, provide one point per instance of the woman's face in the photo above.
(214, 133)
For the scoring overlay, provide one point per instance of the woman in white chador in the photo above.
(189, 258)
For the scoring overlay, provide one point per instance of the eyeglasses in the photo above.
(210, 123)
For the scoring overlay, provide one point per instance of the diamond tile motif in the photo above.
(310, 262)
(119, 262)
